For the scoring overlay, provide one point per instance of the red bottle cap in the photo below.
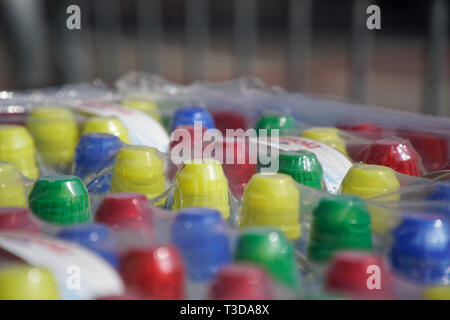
(241, 282)
(243, 165)
(433, 150)
(397, 154)
(157, 273)
(17, 219)
(366, 130)
(361, 275)
(228, 119)
(124, 209)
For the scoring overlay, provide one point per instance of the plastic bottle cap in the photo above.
(200, 236)
(12, 186)
(111, 125)
(327, 135)
(439, 199)
(360, 275)
(272, 200)
(433, 150)
(17, 219)
(189, 115)
(339, 222)
(437, 293)
(303, 166)
(17, 146)
(229, 119)
(157, 273)
(125, 209)
(60, 200)
(94, 236)
(369, 181)
(55, 132)
(282, 122)
(397, 154)
(241, 282)
(146, 106)
(23, 282)
(139, 169)
(269, 248)
(421, 249)
(243, 165)
(94, 151)
(202, 183)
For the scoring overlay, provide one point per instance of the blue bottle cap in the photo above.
(93, 152)
(94, 236)
(188, 115)
(200, 236)
(421, 249)
(439, 199)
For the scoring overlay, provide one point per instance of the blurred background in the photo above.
(319, 47)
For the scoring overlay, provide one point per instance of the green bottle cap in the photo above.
(340, 222)
(269, 248)
(275, 121)
(303, 166)
(60, 200)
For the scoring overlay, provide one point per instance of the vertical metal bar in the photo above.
(197, 34)
(361, 50)
(25, 19)
(245, 35)
(150, 33)
(434, 90)
(108, 36)
(71, 47)
(300, 28)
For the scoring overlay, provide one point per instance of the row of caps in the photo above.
(351, 185)
(202, 245)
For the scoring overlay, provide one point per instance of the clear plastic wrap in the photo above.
(318, 193)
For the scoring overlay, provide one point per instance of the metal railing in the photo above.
(74, 49)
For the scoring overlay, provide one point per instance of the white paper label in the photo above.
(66, 260)
(142, 129)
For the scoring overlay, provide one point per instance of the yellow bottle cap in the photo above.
(327, 135)
(368, 181)
(24, 282)
(202, 183)
(12, 187)
(111, 125)
(139, 169)
(146, 106)
(17, 146)
(437, 293)
(272, 200)
(55, 132)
